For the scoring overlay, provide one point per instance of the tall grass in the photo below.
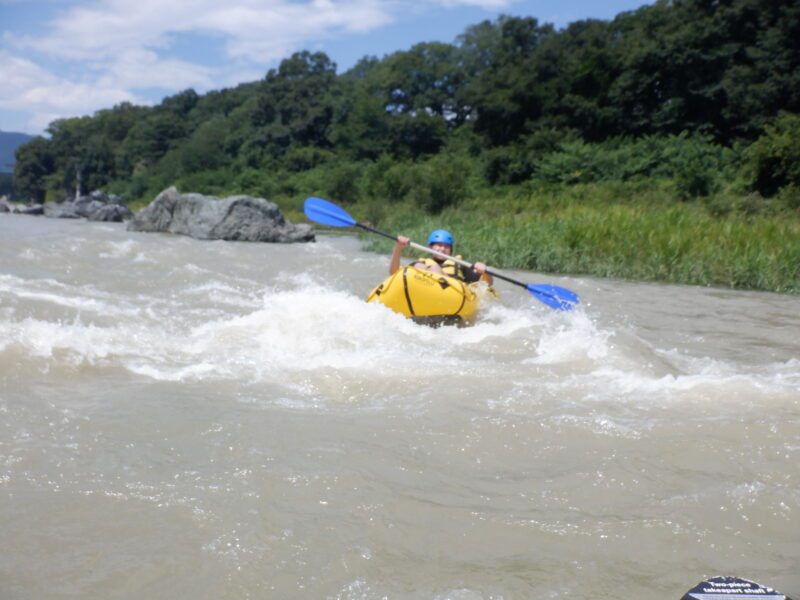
(616, 232)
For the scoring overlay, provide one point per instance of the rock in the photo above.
(61, 210)
(33, 209)
(97, 206)
(19, 209)
(241, 218)
(111, 212)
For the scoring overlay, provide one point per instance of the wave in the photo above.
(318, 341)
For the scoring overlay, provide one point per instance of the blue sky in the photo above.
(67, 58)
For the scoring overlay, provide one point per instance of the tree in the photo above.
(723, 67)
(764, 76)
(361, 126)
(296, 103)
(34, 162)
(149, 140)
(583, 62)
(417, 135)
(673, 58)
(204, 149)
(773, 160)
(181, 103)
(507, 85)
(75, 144)
(118, 121)
(427, 79)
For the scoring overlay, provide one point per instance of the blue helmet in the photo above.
(441, 236)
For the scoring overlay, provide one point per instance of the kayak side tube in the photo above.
(419, 293)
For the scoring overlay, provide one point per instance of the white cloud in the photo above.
(269, 35)
(141, 68)
(256, 30)
(493, 5)
(18, 75)
(29, 88)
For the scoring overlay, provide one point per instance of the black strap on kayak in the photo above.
(463, 296)
(408, 296)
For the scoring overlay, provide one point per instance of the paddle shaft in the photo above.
(455, 259)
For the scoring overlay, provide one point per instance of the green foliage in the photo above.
(510, 83)
(388, 179)
(255, 183)
(441, 182)
(304, 158)
(361, 124)
(213, 183)
(204, 150)
(716, 67)
(414, 136)
(696, 165)
(604, 147)
(342, 182)
(148, 141)
(34, 161)
(428, 79)
(773, 160)
(295, 104)
(181, 103)
(790, 196)
(517, 162)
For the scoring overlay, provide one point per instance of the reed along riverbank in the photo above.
(632, 231)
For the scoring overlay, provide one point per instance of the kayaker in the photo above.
(441, 241)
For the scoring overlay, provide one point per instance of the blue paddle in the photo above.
(327, 213)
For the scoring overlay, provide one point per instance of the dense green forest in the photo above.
(664, 144)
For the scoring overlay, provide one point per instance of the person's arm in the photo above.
(394, 263)
(480, 269)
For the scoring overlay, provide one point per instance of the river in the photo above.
(208, 420)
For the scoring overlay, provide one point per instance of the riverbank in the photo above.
(633, 231)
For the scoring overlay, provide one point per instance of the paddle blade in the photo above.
(327, 213)
(726, 587)
(554, 296)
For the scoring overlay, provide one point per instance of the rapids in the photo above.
(206, 420)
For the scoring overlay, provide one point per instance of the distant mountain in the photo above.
(9, 142)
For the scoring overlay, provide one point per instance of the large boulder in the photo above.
(97, 206)
(29, 209)
(242, 218)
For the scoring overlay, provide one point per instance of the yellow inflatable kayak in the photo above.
(429, 298)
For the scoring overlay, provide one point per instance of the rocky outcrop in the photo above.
(241, 218)
(97, 206)
(19, 209)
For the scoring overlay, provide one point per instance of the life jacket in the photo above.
(449, 267)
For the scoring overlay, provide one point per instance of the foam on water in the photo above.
(210, 329)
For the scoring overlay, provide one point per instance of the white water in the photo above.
(187, 419)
